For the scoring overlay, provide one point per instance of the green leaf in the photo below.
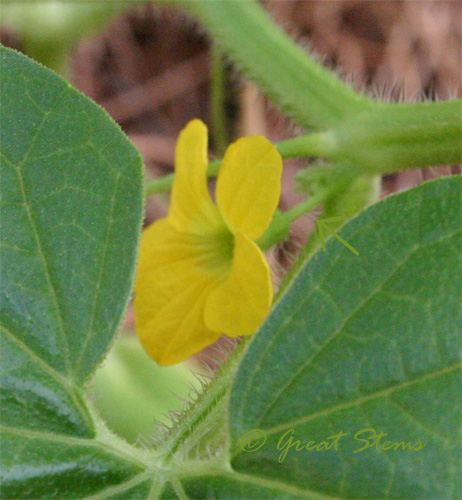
(230, 486)
(363, 342)
(71, 202)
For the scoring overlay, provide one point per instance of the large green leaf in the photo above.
(71, 209)
(363, 342)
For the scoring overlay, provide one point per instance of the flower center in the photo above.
(214, 251)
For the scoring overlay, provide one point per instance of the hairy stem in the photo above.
(394, 137)
(313, 96)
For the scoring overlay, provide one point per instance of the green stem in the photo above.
(312, 95)
(304, 146)
(161, 185)
(393, 137)
(387, 138)
(279, 228)
(318, 144)
(306, 206)
(217, 104)
(207, 416)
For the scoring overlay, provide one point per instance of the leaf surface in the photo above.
(363, 345)
(71, 203)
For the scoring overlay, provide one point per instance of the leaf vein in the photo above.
(364, 399)
(347, 319)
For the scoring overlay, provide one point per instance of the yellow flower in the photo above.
(200, 273)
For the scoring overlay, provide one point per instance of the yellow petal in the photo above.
(249, 185)
(176, 272)
(191, 207)
(178, 331)
(240, 304)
